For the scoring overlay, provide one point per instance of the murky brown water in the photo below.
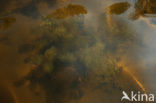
(76, 51)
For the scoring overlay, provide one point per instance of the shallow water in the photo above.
(76, 51)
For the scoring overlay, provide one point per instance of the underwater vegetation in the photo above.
(68, 58)
(66, 55)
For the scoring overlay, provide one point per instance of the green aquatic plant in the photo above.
(68, 58)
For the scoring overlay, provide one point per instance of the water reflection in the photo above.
(145, 8)
(118, 8)
(70, 10)
(56, 51)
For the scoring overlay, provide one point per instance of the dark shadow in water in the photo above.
(6, 96)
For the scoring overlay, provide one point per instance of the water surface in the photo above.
(76, 51)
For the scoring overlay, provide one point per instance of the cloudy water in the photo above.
(76, 51)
